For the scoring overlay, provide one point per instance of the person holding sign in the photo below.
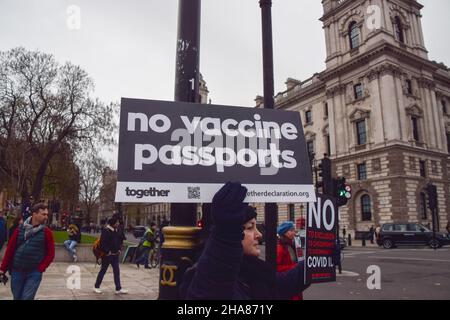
(229, 267)
(286, 252)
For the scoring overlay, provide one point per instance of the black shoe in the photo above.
(147, 267)
(137, 265)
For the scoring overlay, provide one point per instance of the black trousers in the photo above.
(106, 261)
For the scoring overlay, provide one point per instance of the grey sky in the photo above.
(128, 47)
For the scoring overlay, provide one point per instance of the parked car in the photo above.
(393, 234)
(138, 231)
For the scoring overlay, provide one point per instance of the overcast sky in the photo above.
(128, 47)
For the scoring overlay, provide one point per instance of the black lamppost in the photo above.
(270, 209)
(181, 237)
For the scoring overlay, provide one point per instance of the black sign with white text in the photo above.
(320, 245)
(184, 152)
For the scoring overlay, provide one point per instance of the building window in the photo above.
(353, 33)
(327, 139)
(325, 109)
(361, 132)
(358, 91)
(423, 206)
(310, 147)
(362, 171)
(444, 107)
(291, 212)
(415, 127)
(398, 29)
(448, 142)
(423, 169)
(308, 116)
(409, 86)
(366, 211)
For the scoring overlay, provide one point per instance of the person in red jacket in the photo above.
(30, 251)
(286, 252)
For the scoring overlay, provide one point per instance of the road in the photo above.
(406, 273)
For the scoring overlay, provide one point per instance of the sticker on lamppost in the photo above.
(321, 240)
(184, 152)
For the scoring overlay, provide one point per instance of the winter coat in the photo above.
(36, 254)
(111, 240)
(287, 260)
(224, 273)
(75, 235)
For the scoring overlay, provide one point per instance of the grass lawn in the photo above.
(61, 236)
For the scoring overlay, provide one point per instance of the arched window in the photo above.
(398, 29)
(353, 34)
(366, 211)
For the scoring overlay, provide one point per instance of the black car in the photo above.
(138, 231)
(393, 234)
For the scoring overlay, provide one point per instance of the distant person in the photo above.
(111, 243)
(30, 251)
(286, 252)
(74, 240)
(344, 232)
(377, 233)
(3, 230)
(448, 227)
(148, 244)
(371, 233)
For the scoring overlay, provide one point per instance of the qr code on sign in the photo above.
(193, 192)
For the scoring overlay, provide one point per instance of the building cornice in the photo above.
(383, 48)
(387, 149)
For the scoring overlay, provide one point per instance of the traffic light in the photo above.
(343, 191)
(325, 173)
(432, 196)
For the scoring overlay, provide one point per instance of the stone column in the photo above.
(390, 107)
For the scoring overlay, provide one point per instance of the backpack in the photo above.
(98, 252)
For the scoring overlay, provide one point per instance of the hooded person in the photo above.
(286, 252)
(111, 243)
(229, 267)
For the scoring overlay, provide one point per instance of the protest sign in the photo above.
(184, 152)
(321, 240)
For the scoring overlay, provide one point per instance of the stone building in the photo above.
(380, 109)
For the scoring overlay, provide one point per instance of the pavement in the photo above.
(59, 283)
(405, 273)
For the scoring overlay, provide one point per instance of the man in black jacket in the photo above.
(111, 243)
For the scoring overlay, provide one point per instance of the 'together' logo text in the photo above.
(150, 192)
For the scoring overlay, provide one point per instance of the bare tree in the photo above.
(42, 105)
(90, 183)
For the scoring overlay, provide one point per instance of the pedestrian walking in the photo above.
(344, 232)
(111, 243)
(3, 230)
(74, 240)
(30, 251)
(448, 227)
(286, 252)
(148, 243)
(371, 233)
(229, 267)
